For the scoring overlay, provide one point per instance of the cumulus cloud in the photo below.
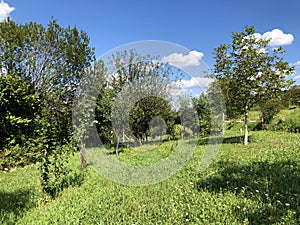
(5, 10)
(277, 37)
(181, 61)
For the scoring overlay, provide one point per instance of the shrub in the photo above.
(180, 131)
(290, 124)
(56, 173)
(269, 110)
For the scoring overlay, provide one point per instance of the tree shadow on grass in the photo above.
(226, 140)
(274, 186)
(13, 204)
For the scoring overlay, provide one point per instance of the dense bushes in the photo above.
(290, 124)
(44, 64)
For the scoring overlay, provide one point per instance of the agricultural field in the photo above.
(253, 184)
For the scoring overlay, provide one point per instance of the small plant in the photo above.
(56, 173)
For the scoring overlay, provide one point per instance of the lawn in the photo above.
(254, 184)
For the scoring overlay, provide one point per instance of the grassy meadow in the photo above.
(254, 184)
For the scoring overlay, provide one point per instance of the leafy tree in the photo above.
(85, 100)
(202, 107)
(103, 115)
(187, 115)
(249, 72)
(136, 90)
(269, 109)
(144, 111)
(52, 59)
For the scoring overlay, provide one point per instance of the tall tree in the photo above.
(249, 72)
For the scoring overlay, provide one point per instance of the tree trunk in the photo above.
(83, 163)
(246, 126)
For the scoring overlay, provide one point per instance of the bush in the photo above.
(291, 124)
(56, 173)
(269, 110)
(180, 131)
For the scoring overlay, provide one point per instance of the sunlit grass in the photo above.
(254, 184)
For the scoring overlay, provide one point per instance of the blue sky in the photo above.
(196, 25)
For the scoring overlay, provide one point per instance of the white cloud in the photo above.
(297, 63)
(297, 77)
(277, 37)
(5, 10)
(181, 61)
(194, 87)
(194, 82)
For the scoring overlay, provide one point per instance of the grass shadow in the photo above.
(13, 205)
(239, 139)
(274, 186)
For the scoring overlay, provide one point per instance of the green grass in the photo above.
(254, 184)
(253, 115)
(147, 154)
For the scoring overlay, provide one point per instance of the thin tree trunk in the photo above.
(246, 126)
(83, 163)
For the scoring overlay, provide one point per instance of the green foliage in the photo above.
(18, 105)
(179, 131)
(103, 115)
(202, 107)
(17, 118)
(290, 124)
(52, 60)
(56, 174)
(269, 109)
(176, 134)
(291, 96)
(138, 80)
(45, 65)
(145, 111)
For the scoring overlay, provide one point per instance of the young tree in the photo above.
(249, 72)
(202, 107)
